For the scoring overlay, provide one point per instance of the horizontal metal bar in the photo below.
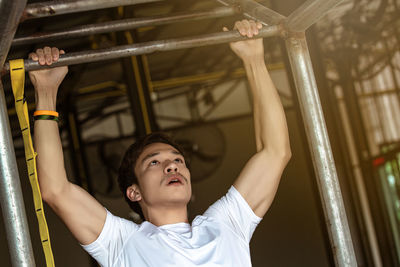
(161, 85)
(256, 11)
(58, 7)
(122, 25)
(147, 48)
(309, 13)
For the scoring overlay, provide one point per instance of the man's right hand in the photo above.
(47, 81)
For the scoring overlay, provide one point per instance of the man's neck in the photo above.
(166, 215)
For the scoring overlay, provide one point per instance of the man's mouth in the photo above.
(175, 179)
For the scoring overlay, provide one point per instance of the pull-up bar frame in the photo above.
(291, 28)
(12, 204)
(59, 7)
(123, 25)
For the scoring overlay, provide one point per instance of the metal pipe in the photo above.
(58, 7)
(10, 12)
(256, 11)
(261, 13)
(123, 25)
(309, 13)
(321, 151)
(147, 48)
(12, 204)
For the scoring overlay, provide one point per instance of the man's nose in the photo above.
(171, 166)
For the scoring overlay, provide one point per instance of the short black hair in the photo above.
(126, 173)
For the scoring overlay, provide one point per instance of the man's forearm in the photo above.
(82, 214)
(50, 160)
(271, 131)
(259, 179)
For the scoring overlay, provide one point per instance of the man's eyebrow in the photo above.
(173, 151)
(149, 156)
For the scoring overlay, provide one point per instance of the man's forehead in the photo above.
(155, 149)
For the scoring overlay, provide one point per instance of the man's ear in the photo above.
(133, 193)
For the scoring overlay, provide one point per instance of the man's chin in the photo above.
(177, 198)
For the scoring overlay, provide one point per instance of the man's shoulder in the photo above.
(117, 222)
(203, 220)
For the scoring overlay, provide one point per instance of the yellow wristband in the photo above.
(45, 112)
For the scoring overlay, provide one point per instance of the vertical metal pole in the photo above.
(321, 151)
(12, 204)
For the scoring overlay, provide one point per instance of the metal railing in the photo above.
(123, 25)
(59, 7)
(12, 203)
(291, 28)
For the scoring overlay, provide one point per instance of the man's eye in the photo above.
(153, 162)
(178, 160)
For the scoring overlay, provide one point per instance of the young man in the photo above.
(155, 180)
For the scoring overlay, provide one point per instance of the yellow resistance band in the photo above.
(17, 73)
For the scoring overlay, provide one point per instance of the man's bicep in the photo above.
(259, 180)
(81, 212)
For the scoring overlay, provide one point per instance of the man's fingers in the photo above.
(240, 27)
(40, 54)
(33, 56)
(254, 27)
(247, 27)
(225, 29)
(55, 53)
(47, 55)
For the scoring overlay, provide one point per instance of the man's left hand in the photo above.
(248, 49)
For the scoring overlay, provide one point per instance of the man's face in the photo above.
(163, 177)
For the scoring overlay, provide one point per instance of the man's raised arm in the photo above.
(82, 214)
(259, 180)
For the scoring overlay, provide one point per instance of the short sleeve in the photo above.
(109, 244)
(233, 210)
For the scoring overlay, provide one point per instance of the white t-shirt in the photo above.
(219, 237)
